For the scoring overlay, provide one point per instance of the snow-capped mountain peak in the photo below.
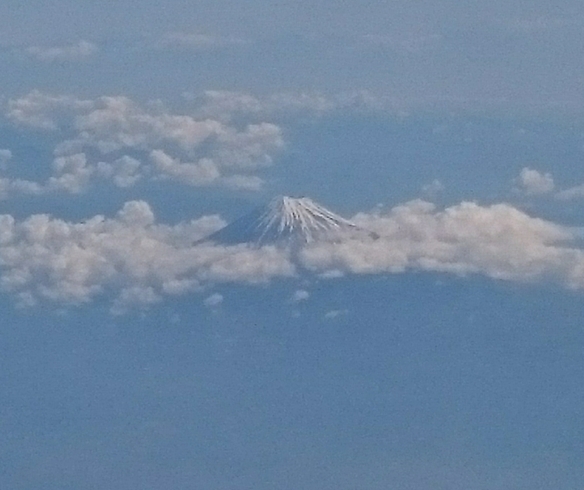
(284, 220)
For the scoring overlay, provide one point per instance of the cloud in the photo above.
(539, 24)
(576, 192)
(498, 241)
(129, 256)
(154, 142)
(48, 112)
(71, 174)
(5, 156)
(433, 188)
(300, 295)
(124, 172)
(137, 261)
(214, 300)
(73, 52)
(228, 104)
(330, 315)
(533, 182)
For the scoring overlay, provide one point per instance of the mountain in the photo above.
(283, 221)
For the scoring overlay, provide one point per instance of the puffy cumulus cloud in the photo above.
(202, 172)
(118, 122)
(72, 52)
(154, 143)
(124, 172)
(499, 241)
(532, 182)
(130, 256)
(71, 174)
(45, 111)
(139, 261)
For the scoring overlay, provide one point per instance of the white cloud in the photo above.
(139, 261)
(214, 300)
(44, 111)
(498, 241)
(532, 182)
(203, 172)
(72, 173)
(118, 122)
(180, 147)
(124, 171)
(134, 296)
(433, 188)
(130, 256)
(300, 295)
(73, 52)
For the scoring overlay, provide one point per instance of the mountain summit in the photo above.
(284, 220)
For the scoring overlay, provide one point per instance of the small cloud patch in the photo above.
(330, 315)
(300, 295)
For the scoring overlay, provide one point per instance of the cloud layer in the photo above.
(123, 142)
(135, 260)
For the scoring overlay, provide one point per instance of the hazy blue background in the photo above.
(413, 381)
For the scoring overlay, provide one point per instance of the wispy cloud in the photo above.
(539, 24)
(299, 296)
(576, 192)
(71, 52)
(332, 314)
(214, 300)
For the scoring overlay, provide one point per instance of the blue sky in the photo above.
(445, 354)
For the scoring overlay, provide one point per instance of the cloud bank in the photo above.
(124, 142)
(135, 260)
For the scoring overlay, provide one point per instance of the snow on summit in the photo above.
(285, 220)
